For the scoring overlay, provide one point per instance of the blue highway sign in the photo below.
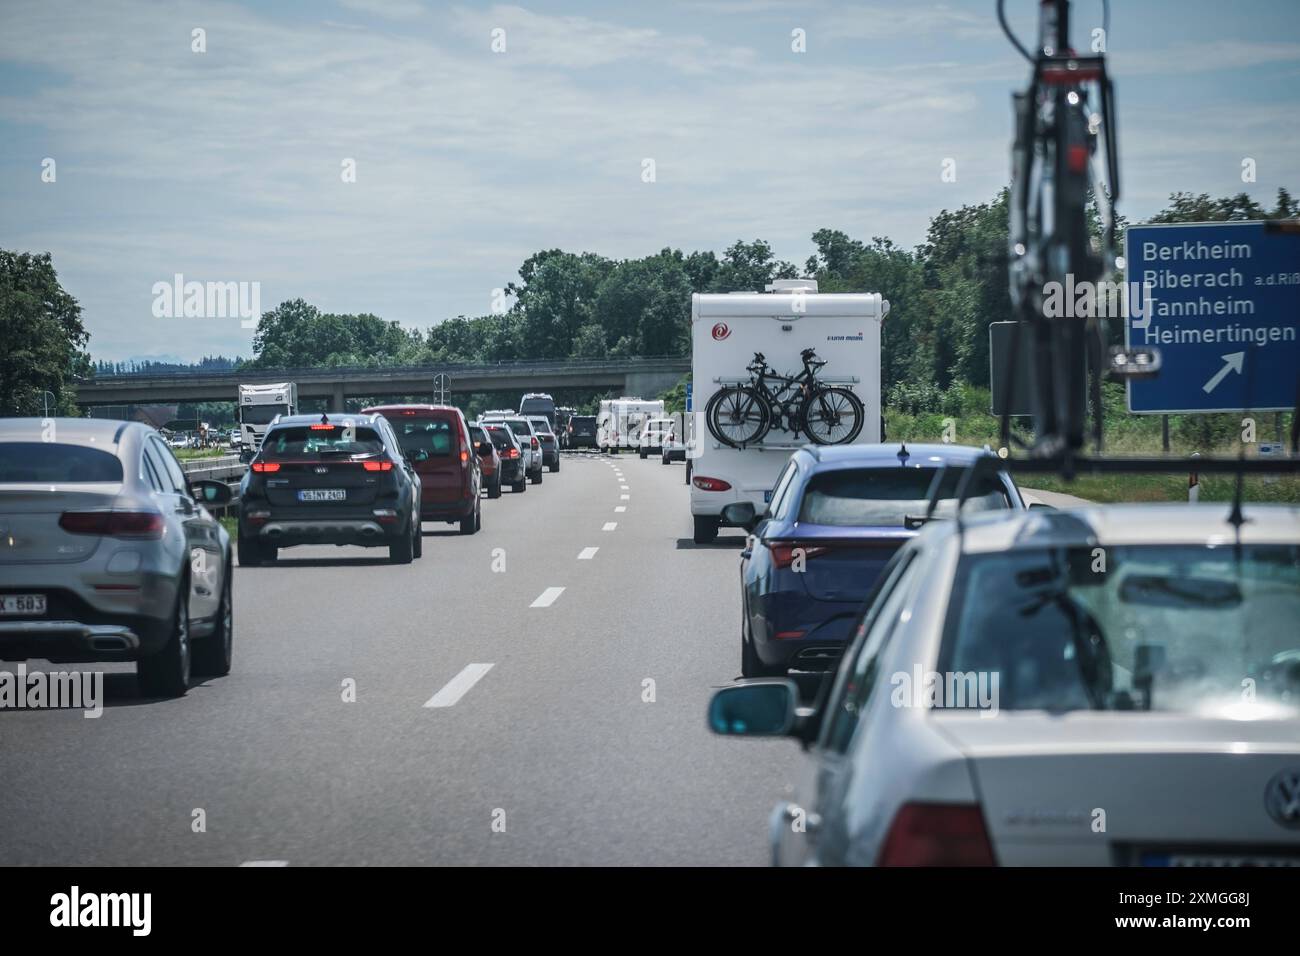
(1224, 312)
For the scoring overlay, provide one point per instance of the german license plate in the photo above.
(323, 494)
(14, 604)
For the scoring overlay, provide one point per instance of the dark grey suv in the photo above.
(329, 479)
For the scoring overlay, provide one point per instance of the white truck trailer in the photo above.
(258, 406)
(790, 316)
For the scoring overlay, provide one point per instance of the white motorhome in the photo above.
(790, 316)
(258, 406)
(619, 421)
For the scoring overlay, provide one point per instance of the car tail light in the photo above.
(323, 428)
(385, 515)
(535, 445)
(710, 484)
(377, 465)
(937, 834)
(513, 453)
(464, 456)
(264, 466)
(789, 635)
(257, 517)
(113, 524)
(783, 554)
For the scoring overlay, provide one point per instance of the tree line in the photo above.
(943, 294)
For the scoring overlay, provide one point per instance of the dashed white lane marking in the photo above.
(547, 597)
(620, 509)
(586, 554)
(610, 526)
(624, 488)
(624, 497)
(265, 863)
(458, 686)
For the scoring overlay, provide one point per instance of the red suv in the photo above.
(437, 443)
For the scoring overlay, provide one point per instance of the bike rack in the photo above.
(850, 380)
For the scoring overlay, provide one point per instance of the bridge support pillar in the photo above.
(336, 399)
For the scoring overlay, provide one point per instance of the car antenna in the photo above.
(903, 454)
(324, 418)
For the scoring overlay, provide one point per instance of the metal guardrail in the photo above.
(227, 468)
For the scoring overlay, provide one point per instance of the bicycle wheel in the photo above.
(737, 415)
(831, 415)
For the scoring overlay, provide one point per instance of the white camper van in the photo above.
(619, 421)
(782, 322)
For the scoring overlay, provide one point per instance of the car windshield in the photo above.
(886, 496)
(424, 437)
(34, 461)
(520, 427)
(296, 441)
(1187, 628)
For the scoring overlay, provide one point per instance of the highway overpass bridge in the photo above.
(646, 377)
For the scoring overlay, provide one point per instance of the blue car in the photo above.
(837, 515)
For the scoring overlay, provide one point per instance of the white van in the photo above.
(727, 330)
(619, 421)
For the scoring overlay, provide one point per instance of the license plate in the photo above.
(323, 494)
(22, 604)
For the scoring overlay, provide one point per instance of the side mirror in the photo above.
(763, 708)
(208, 492)
(741, 514)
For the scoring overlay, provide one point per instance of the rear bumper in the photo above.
(550, 456)
(360, 531)
(65, 642)
(825, 627)
(447, 510)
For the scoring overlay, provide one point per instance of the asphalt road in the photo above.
(541, 750)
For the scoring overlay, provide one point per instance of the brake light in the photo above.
(937, 834)
(710, 484)
(464, 456)
(377, 465)
(535, 445)
(113, 524)
(783, 554)
(323, 428)
(262, 466)
(513, 453)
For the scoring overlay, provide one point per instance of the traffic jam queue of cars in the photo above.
(976, 680)
(110, 552)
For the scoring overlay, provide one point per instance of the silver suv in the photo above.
(108, 554)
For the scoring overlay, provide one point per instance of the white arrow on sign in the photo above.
(1232, 363)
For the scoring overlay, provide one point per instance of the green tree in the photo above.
(44, 340)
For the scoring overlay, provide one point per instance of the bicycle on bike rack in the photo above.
(742, 414)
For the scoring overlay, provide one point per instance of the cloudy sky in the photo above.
(226, 165)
